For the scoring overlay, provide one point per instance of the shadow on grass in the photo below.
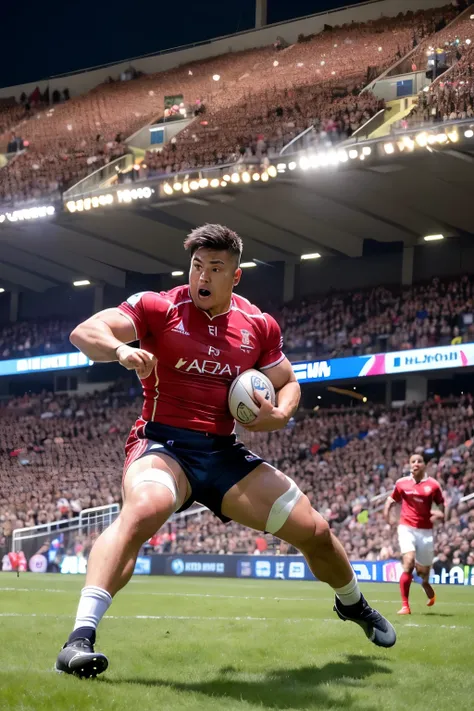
(297, 688)
(439, 614)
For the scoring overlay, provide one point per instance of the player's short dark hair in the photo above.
(215, 237)
(418, 454)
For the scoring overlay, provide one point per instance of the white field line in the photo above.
(199, 618)
(225, 597)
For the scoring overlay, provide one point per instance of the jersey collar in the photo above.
(211, 318)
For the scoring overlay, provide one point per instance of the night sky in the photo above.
(42, 39)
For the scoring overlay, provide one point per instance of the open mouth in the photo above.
(204, 293)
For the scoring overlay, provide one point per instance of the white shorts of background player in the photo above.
(419, 540)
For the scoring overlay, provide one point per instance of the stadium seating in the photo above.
(61, 454)
(255, 102)
(350, 323)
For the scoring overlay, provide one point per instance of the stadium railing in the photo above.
(99, 177)
(89, 521)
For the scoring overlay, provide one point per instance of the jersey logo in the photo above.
(213, 330)
(427, 489)
(207, 367)
(245, 345)
(135, 298)
(214, 351)
(180, 329)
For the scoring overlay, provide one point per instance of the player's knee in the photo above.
(145, 511)
(315, 535)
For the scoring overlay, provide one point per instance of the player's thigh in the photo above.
(251, 501)
(137, 484)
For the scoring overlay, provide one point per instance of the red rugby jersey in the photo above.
(198, 356)
(417, 500)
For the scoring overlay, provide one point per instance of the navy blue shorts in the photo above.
(212, 463)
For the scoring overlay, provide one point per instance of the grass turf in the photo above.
(191, 644)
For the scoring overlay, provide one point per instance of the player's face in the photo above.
(417, 465)
(212, 277)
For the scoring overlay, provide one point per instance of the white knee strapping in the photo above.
(150, 476)
(282, 508)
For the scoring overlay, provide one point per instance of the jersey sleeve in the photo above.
(396, 494)
(144, 309)
(271, 353)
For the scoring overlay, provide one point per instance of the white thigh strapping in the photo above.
(419, 540)
(157, 476)
(282, 508)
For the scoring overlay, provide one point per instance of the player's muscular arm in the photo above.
(103, 339)
(387, 508)
(287, 388)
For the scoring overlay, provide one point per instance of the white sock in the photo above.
(93, 605)
(350, 593)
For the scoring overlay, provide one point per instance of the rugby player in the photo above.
(417, 493)
(194, 341)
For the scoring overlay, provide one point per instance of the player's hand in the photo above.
(137, 359)
(269, 418)
(437, 517)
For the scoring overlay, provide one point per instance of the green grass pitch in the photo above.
(197, 644)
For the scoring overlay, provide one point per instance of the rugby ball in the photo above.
(242, 404)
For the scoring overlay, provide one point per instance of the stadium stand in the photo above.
(62, 453)
(337, 325)
(264, 96)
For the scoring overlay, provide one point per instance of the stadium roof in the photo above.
(330, 212)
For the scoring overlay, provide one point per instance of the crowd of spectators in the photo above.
(342, 324)
(62, 453)
(261, 96)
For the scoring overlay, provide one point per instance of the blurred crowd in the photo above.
(61, 454)
(252, 102)
(342, 324)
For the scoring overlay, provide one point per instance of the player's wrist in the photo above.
(117, 350)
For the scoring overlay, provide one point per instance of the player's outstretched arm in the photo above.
(103, 339)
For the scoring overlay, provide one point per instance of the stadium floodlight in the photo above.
(389, 149)
(177, 186)
(453, 136)
(235, 178)
(353, 154)
(256, 176)
(304, 163)
(264, 177)
(81, 282)
(247, 265)
(226, 177)
(168, 189)
(246, 178)
(281, 167)
(276, 63)
(203, 183)
(214, 183)
(177, 273)
(314, 161)
(312, 255)
(223, 183)
(272, 171)
(2, 290)
(292, 165)
(343, 157)
(216, 77)
(186, 187)
(194, 185)
(469, 133)
(367, 150)
(433, 238)
(468, 41)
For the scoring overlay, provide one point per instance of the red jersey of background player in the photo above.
(198, 356)
(417, 500)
